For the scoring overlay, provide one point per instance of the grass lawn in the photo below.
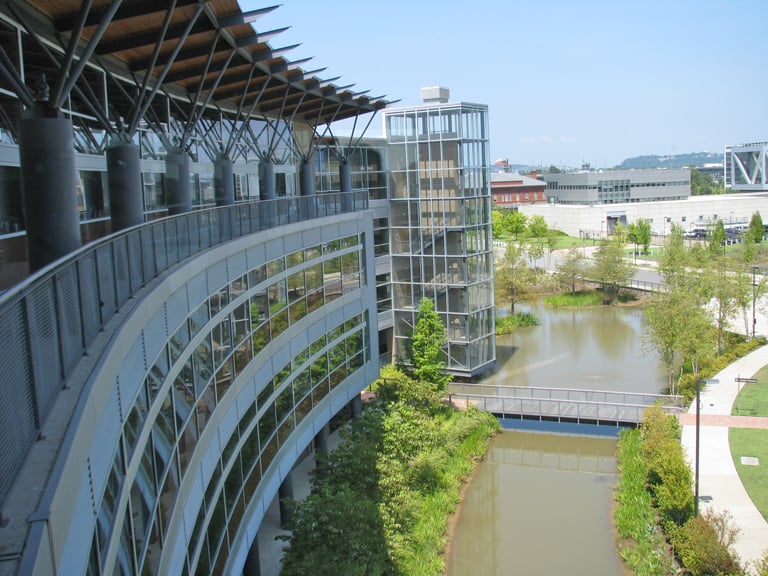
(752, 442)
(752, 401)
(753, 398)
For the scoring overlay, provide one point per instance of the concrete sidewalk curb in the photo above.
(720, 487)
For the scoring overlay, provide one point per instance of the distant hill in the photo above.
(672, 161)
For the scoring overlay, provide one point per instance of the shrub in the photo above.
(761, 565)
(701, 551)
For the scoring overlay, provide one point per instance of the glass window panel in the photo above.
(274, 267)
(199, 318)
(219, 300)
(202, 365)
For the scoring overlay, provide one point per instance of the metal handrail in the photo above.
(547, 393)
(50, 320)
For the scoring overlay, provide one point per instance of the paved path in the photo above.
(719, 484)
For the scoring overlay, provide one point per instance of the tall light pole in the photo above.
(698, 425)
(754, 320)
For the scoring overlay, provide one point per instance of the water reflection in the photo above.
(595, 348)
(539, 504)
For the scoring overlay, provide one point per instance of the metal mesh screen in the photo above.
(44, 345)
(89, 299)
(107, 299)
(70, 320)
(182, 237)
(17, 410)
(158, 236)
(214, 219)
(171, 242)
(148, 252)
(122, 273)
(134, 261)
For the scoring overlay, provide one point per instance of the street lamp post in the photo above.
(754, 320)
(698, 425)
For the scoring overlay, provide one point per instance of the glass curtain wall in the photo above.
(440, 227)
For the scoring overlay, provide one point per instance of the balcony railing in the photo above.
(50, 320)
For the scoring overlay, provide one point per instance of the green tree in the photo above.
(512, 275)
(675, 258)
(537, 227)
(703, 183)
(717, 238)
(497, 219)
(723, 292)
(642, 234)
(515, 222)
(620, 232)
(756, 229)
(571, 268)
(427, 357)
(610, 268)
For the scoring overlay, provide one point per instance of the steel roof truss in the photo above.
(161, 77)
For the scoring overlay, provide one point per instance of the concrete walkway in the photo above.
(719, 484)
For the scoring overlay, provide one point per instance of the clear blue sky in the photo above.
(566, 81)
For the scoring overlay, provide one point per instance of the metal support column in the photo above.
(357, 407)
(345, 184)
(268, 209)
(306, 186)
(223, 181)
(126, 203)
(48, 181)
(285, 497)
(178, 196)
(321, 449)
(267, 184)
(252, 561)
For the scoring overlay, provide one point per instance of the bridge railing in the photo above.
(559, 409)
(577, 394)
(572, 404)
(50, 320)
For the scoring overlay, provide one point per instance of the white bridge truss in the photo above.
(745, 166)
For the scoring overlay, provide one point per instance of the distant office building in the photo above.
(510, 189)
(440, 224)
(746, 167)
(618, 186)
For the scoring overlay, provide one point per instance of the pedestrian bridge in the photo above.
(601, 407)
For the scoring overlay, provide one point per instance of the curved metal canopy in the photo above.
(207, 56)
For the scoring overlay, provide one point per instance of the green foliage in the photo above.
(639, 233)
(761, 566)
(508, 324)
(512, 275)
(642, 546)
(702, 183)
(701, 551)
(575, 300)
(383, 504)
(334, 522)
(610, 268)
(756, 229)
(427, 357)
(716, 237)
(653, 470)
(537, 227)
(571, 268)
(508, 222)
(669, 477)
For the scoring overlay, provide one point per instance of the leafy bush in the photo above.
(389, 488)
(508, 324)
(643, 546)
(669, 477)
(699, 548)
(761, 566)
